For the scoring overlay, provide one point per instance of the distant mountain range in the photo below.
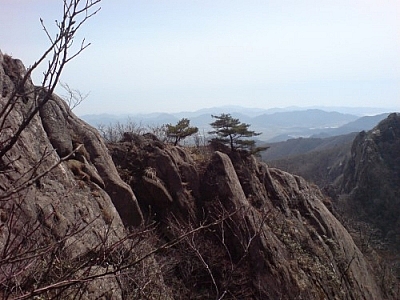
(276, 124)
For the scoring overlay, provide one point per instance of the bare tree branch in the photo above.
(76, 13)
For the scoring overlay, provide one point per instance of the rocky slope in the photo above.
(372, 176)
(55, 214)
(182, 224)
(275, 237)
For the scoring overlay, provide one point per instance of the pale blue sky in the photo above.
(171, 56)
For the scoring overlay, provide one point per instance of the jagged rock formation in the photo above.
(277, 239)
(363, 179)
(51, 223)
(371, 181)
(227, 226)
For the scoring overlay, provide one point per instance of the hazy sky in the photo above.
(171, 56)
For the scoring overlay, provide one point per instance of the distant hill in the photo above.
(294, 147)
(363, 123)
(310, 118)
(275, 125)
(318, 160)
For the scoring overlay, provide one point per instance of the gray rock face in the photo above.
(371, 179)
(120, 193)
(308, 230)
(51, 224)
(65, 130)
(55, 123)
(155, 175)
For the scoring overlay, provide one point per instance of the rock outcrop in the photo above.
(55, 214)
(369, 190)
(65, 131)
(273, 237)
(371, 181)
(303, 243)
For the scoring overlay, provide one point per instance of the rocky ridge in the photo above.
(66, 215)
(280, 239)
(369, 191)
(226, 225)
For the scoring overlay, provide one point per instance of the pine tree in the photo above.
(232, 132)
(180, 131)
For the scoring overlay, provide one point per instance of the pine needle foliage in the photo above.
(230, 131)
(180, 131)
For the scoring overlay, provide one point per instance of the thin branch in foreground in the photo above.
(111, 273)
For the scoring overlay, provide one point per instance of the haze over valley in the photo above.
(275, 124)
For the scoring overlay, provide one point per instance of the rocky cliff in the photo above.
(370, 189)
(372, 176)
(180, 224)
(56, 213)
(274, 237)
